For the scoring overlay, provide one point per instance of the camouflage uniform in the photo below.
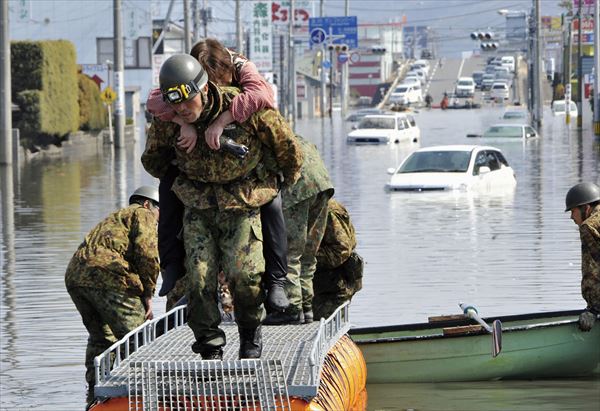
(305, 213)
(589, 232)
(112, 270)
(339, 267)
(222, 195)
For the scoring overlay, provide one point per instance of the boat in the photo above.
(456, 348)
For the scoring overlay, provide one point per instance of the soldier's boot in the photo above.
(207, 352)
(250, 342)
(290, 316)
(308, 314)
(276, 296)
(170, 275)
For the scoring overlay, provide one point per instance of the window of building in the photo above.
(137, 53)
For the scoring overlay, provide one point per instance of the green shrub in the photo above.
(92, 112)
(44, 86)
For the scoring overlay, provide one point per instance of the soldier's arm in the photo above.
(590, 240)
(144, 241)
(158, 152)
(275, 132)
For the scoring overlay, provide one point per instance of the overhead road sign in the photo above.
(337, 30)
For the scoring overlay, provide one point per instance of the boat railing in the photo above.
(133, 341)
(329, 332)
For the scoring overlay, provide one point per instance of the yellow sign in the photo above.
(108, 95)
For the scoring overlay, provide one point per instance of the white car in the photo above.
(385, 128)
(465, 87)
(412, 80)
(452, 167)
(558, 108)
(510, 131)
(419, 73)
(508, 62)
(406, 94)
(499, 91)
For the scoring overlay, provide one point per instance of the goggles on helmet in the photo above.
(179, 94)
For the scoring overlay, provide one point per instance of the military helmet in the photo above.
(581, 194)
(181, 78)
(145, 192)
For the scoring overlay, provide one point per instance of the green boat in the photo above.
(454, 348)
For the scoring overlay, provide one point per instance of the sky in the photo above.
(451, 20)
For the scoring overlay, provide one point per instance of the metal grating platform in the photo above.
(156, 359)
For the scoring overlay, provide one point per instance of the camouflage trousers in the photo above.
(107, 316)
(306, 223)
(231, 241)
(333, 287)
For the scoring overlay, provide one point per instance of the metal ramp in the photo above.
(155, 367)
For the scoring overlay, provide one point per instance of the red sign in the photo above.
(280, 14)
(587, 24)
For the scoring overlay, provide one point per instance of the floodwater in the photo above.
(507, 253)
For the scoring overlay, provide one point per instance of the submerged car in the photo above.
(360, 114)
(452, 167)
(515, 115)
(385, 128)
(510, 131)
(559, 108)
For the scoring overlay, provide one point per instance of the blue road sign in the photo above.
(342, 58)
(317, 36)
(338, 30)
(326, 64)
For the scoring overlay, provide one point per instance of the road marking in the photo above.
(462, 62)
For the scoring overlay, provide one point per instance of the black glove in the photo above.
(586, 320)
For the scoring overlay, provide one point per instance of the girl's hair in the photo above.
(214, 57)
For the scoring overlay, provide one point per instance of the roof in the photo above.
(456, 147)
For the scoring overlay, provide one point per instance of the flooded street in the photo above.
(505, 252)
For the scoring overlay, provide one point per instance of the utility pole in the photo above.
(205, 18)
(323, 93)
(568, 73)
(596, 88)
(186, 26)
(292, 67)
(537, 67)
(344, 80)
(195, 26)
(5, 89)
(238, 27)
(579, 73)
(119, 77)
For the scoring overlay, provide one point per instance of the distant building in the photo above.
(379, 46)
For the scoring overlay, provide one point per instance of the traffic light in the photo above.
(489, 46)
(378, 50)
(482, 35)
(338, 47)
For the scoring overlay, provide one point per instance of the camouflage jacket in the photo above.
(313, 180)
(589, 232)
(119, 254)
(339, 240)
(212, 178)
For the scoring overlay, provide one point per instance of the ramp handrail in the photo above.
(146, 333)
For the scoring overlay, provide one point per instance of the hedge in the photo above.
(92, 113)
(45, 87)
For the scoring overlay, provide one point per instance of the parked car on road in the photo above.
(508, 62)
(477, 78)
(487, 81)
(385, 128)
(559, 108)
(465, 87)
(510, 131)
(406, 94)
(499, 91)
(452, 167)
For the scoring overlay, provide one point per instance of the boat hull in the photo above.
(533, 347)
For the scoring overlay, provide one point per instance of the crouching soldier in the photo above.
(339, 268)
(112, 276)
